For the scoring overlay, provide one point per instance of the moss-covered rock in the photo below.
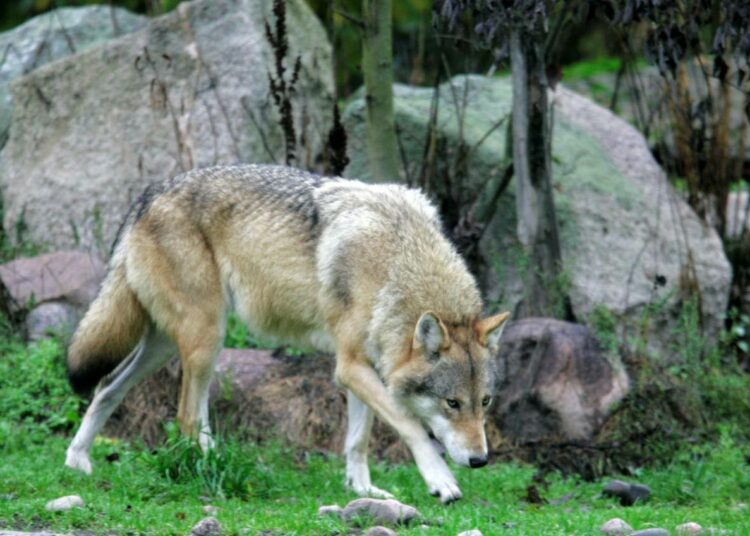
(630, 244)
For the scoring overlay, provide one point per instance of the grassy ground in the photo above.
(275, 489)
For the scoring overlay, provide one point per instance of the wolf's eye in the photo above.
(453, 403)
(486, 401)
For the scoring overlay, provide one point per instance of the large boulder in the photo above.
(90, 131)
(630, 244)
(52, 36)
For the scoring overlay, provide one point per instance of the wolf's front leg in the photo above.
(359, 377)
(359, 425)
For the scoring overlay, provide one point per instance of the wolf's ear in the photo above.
(431, 335)
(489, 330)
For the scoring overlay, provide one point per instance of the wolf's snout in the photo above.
(477, 461)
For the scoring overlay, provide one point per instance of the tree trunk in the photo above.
(535, 206)
(377, 67)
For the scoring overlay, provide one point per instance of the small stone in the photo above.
(4, 532)
(210, 510)
(651, 532)
(380, 511)
(472, 532)
(380, 531)
(65, 503)
(628, 494)
(639, 493)
(330, 510)
(615, 488)
(208, 526)
(615, 527)
(688, 528)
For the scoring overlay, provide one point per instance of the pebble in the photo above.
(380, 531)
(210, 510)
(4, 532)
(208, 526)
(330, 510)
(65, 503)
(380, 511)
(615, 527)
(688, 528)
(650, 532)
(628, 494)
(472, 532)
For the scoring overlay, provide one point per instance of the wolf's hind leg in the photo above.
(151, 353)
(199, 347)
(359, 425)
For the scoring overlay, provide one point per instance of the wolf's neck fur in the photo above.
(412, 267)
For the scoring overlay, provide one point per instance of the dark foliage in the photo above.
(676, 28)
(493, 19)
(336, 159)
(282, 89)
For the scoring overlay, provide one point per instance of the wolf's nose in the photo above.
(477, 462)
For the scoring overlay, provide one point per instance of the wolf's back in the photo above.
(111, 328)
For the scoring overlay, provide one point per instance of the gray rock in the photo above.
(330, 510)
(651, 532)
(51, 318)
(553, 381)
(625, 232)
(628, 494)
(380, 531)
(472, 532)
(639, 492)
(65, 503)
(688, 528)
(54, 35)
(616, 488)
(615, 527)
(208, 526)
(189, 90)
(379, 511)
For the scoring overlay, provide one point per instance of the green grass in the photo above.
(285, 489)
(273, 488)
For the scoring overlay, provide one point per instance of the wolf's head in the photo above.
(449, 382)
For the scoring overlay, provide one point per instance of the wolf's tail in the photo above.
(111, 328)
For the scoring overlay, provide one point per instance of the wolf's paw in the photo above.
(206, 441)
(437, 475)
(441, 483)
(447, 491)
(371, 491)
(76, 459)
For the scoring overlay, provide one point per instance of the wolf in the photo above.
(359, 270)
